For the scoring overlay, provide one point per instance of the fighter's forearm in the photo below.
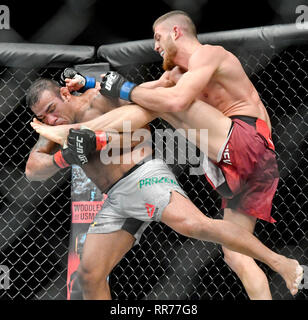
(159, 99)
(177, 98)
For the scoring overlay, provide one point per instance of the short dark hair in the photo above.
(190, 26)
(37, 87)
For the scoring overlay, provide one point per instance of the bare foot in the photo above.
(291, 272)
(57, 134)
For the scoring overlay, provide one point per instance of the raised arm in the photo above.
(202, 66)
(40, 165)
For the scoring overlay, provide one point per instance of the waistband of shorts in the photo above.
(247, 119)
(131, 170)
(260, 126)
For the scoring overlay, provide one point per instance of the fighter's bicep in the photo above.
(193, 82)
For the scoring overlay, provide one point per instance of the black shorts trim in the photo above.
(247, 119)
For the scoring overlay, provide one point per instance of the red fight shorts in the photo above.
(246, 176)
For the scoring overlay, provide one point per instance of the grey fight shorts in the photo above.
(137, 199)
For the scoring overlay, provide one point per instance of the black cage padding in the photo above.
(142, 52)
(27, 55)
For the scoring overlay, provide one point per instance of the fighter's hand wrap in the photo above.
(102, 140)
(116, 86)
(66, 157)
(86, 82)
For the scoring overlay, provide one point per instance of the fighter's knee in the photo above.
(90, 277)
(188, 228)
(198, 228)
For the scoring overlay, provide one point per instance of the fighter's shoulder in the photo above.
(206, 53)
(212, 48)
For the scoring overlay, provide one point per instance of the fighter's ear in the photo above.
(176, 32)
(65, 94)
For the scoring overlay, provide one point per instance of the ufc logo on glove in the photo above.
(79, 145)
(110, 81)
(116, 86)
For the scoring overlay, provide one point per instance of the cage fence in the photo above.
(35, 217)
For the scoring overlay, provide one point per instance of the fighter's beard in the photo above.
(169, 55)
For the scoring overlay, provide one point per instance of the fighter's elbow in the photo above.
(30, 175)
(178, 104)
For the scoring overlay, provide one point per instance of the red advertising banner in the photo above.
(87, 201)
(85, 211)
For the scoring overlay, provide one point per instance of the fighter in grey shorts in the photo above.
(137, 199)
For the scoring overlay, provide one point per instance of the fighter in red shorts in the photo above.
(246, 172)
(212, 91)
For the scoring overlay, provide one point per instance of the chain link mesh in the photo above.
(35, 217)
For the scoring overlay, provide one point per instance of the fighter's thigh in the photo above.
(102, 252)
(184, 217)
(201, 115)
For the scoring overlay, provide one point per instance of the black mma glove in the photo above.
(116, 86)
(81, 143)
(70, 73)
(66, 157)
(85, 141)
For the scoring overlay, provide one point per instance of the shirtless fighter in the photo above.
(213, 92)
(105, 245)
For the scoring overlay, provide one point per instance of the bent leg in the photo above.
(251, 275)
(184, 217)
(101, 253)
(202, 116)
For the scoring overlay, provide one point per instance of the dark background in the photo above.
(95, 22)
